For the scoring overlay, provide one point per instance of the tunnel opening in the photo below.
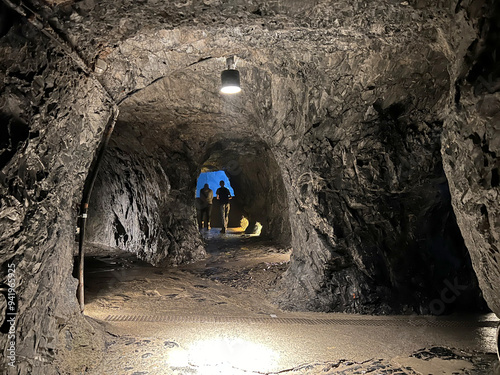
(145, 199)
(143, 213)
(212, 179)
(208, 206)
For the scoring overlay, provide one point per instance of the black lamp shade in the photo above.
(230, 81)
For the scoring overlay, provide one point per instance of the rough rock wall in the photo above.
(471, 147)
(134, 208)
(375, 230)
(52, 117)
(260, 184)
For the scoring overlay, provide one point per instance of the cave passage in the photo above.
(364, 145)
(371, 231)
(142, 222)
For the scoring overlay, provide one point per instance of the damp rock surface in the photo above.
(52, 119)
(134, 207)
(365, 139)
(471, 155)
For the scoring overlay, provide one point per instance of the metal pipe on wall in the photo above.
(84, 206)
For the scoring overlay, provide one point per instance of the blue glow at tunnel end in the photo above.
(212, 179)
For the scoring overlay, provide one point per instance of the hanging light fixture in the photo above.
(230, 78)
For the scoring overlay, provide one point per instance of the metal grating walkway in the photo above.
(397, 322)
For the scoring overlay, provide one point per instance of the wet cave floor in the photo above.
(216, 317)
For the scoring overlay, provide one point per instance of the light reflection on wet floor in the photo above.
(127, 290)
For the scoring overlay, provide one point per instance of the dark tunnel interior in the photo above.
(408, 250)
(363, 146)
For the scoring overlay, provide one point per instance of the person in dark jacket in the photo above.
(224, 195)
(206, 198)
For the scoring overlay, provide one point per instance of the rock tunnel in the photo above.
(158, 151)
(365, 140)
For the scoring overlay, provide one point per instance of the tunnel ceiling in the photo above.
(185, 113)
(184, 44)
(167, 77)
(98, 28)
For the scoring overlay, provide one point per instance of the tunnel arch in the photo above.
(256, 178)
(143, 202)
(163, 139)
(290, 119)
